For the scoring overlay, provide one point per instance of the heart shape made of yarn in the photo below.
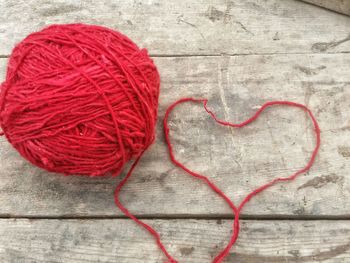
(236, 210)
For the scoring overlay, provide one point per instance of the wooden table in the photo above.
(238, 54)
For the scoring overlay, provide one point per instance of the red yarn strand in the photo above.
(235, 210)
(151, 230)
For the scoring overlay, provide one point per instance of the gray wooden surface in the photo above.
(119, 240)
(196, 27)
(238, 54)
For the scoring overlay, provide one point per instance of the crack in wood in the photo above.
(295, 256)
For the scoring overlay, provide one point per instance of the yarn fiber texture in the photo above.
(79, 99)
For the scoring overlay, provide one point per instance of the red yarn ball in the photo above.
(79, 99)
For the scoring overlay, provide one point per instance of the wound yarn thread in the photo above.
(79, 99)
(82, 100)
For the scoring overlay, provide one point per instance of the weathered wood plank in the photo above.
(341, 6)
(188, 240)
(276, 145)
(196, 27)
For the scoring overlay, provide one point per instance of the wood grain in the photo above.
(341, 6)
(276, 145)
(238, 54)
(198, 27)
(188, 240)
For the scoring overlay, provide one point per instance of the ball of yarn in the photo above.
(79, 99)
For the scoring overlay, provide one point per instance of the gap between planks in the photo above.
(181, 217)
(233, 54)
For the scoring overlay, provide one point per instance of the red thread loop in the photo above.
(235, 210)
